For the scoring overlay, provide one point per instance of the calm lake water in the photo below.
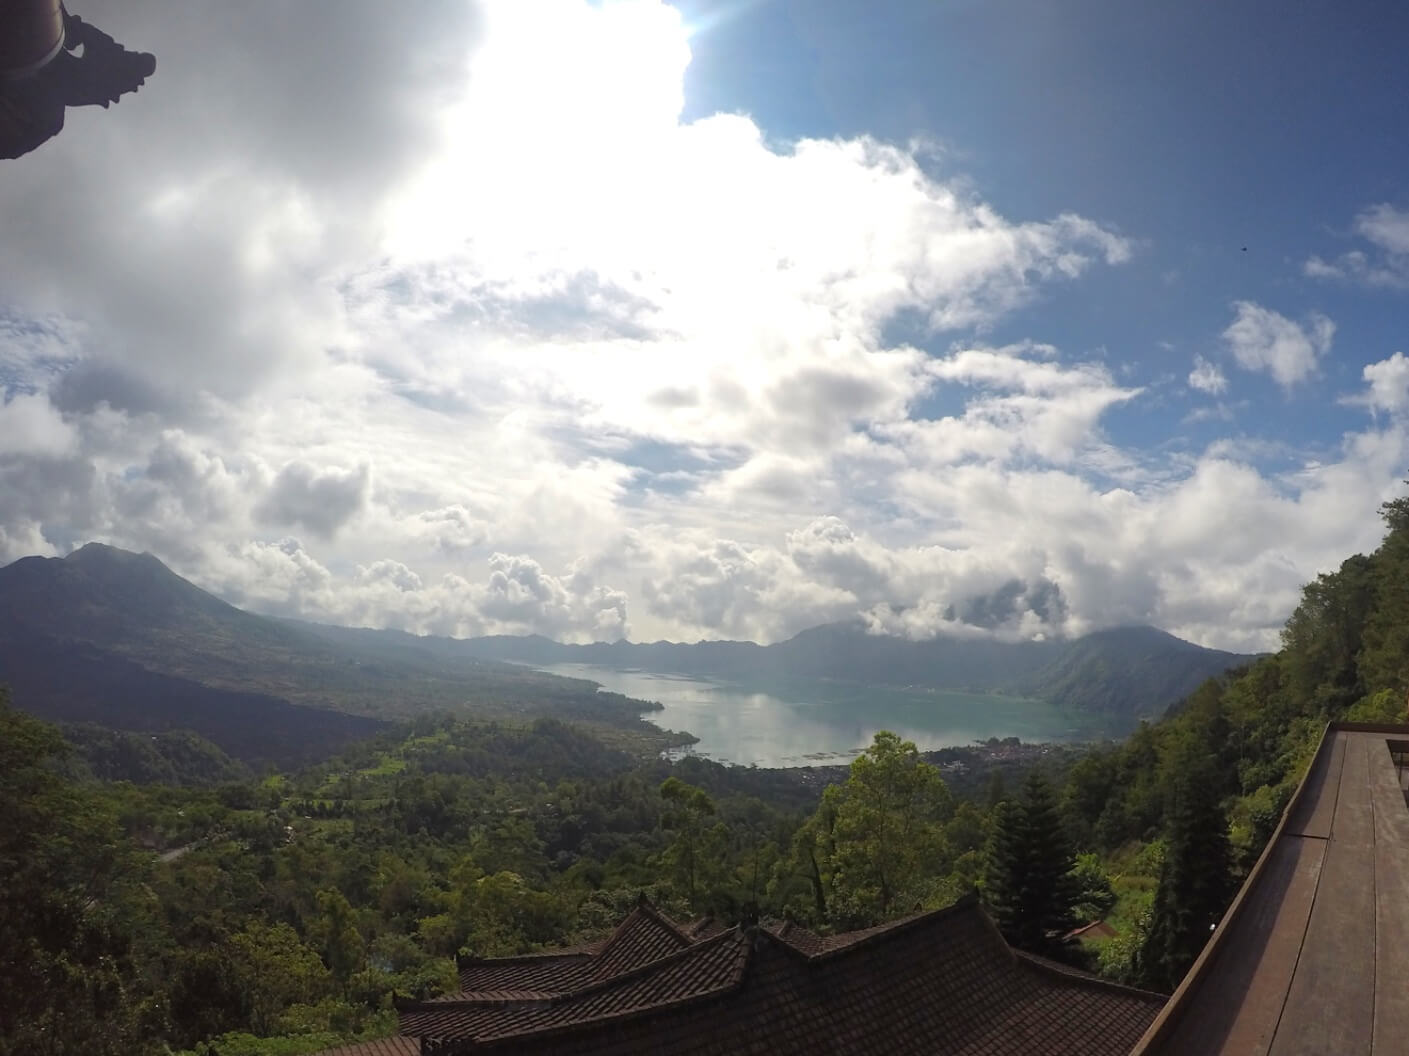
(805, 723)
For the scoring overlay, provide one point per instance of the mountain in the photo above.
(115, 638)
(1135, 672)
(1119, 675)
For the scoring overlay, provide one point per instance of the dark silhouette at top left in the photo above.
(51, 60)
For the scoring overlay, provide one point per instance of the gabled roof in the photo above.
(940, 982)
(686, 975)
(644, 936)
(704, 927)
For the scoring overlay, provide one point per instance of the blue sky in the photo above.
(1194, 129)
(723, 319)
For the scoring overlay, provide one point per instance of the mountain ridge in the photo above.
(116, 638)
(104, 617)
(1123, 673)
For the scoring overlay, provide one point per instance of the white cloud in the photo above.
(320, 500)
(1207, 377)
(521, 596)
(1388, 382)
(1026, 403)
(510, 347)
(1387, 265)
(30, 425)
(1387, 227)
(1261, 339)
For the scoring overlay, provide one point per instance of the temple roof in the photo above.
(937, 982)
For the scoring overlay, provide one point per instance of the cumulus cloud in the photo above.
(320, 500)
(522, 596)
(349, 341)
(515, 596)
(1025, 403)
(1388, 385)
(197, 254)
(1263, 340)
(29, 424)
(1386, 264)
(1207, 377)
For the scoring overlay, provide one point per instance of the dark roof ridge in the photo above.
(471, 998)
(697, 926)
(481, 997)
(1076, 975)
(644, 905)
(567, 953)
(966, 903)
(643, 908)
(645, 1010)
(587, 950)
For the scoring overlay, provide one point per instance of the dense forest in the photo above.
(158, 897)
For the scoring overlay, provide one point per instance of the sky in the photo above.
(723, 319)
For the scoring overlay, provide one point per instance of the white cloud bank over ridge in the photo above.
(485, 339)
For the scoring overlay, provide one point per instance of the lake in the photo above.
(812, 723)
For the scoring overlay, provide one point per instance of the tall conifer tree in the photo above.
(1195, 880)
(1028, 883)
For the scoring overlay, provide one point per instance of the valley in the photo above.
(117, 639)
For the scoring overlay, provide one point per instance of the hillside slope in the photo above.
(117, 638)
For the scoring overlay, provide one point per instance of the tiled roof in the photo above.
(705, 927)
(814, 945)
(942, 982)
(688, 974)
(645, 935)
(538, 974)
(382, 1047)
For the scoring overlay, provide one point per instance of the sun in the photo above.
(553, 86)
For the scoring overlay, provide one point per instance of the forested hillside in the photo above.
(115, 638)
(280, 914)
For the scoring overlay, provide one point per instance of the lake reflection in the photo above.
(802, 723)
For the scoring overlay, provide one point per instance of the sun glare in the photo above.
(554, 87)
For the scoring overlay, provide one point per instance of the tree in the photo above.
(1195, 881)
(687, 809)
(70, 897)
(811, 855)
(1324, 637)
(886, 841)
(275, 970)
(1384, 656)
(336, 930)
(1028, 884)
(1095, 896)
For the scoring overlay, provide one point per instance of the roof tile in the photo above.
(940, 982)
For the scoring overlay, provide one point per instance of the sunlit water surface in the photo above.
(809, 723)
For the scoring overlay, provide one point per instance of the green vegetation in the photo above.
(117, 639)
(1183, 807)
(1030, 886)
(279, 914)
